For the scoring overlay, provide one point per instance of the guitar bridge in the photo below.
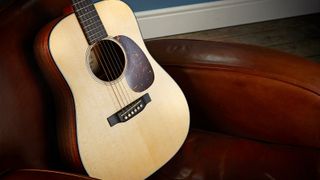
(130, 111)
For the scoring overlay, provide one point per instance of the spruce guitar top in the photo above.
(120, 115)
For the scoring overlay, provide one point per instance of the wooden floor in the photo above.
(297, 35)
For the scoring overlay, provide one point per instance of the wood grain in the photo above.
(67, 135)
(134, 149)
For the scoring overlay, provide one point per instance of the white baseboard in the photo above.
(217, 14)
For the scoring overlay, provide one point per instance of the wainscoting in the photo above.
(217, 14)
(296, 35)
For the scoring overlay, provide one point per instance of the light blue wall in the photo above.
(143, 5)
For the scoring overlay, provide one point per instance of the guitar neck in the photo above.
(89, 20)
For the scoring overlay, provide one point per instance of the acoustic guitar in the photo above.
(120, 115)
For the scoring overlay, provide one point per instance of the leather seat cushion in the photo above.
(207, 155)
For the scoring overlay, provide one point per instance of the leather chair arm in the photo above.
(36, 174)
(245, 90)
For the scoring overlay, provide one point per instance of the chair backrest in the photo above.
(27, 139)
(251, 91)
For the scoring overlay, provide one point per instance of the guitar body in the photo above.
(126, 150)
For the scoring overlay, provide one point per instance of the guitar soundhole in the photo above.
(107, 60)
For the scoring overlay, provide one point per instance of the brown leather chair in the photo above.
(254, 111)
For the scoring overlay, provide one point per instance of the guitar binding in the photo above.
(130, 111)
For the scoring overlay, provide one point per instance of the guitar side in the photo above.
(131, 150)
(65, 107)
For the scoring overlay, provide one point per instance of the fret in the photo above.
(94, 33)
(87, 13)
(89, 20)
(87, 27)
(97, 38)
(89, 23)
(97, 30)
(87, 6)
(85, 10)
(81, 2)
(93, 30)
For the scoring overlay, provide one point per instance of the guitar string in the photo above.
(126, 96)
(106, 62)
(98, 56)
(110, 61)
(113, 48)
(115, 90)
(104, 69)
(113, 98)
(118, 66)
(112, 74)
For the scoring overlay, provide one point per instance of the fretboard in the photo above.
(89, 20)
